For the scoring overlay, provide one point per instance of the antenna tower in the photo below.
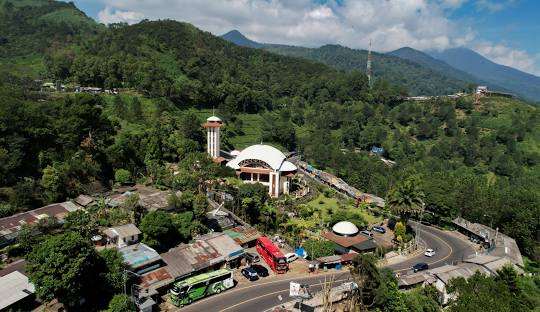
(369, 64)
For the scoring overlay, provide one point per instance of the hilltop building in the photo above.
(256, 164)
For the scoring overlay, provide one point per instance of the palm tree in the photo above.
(406, 199)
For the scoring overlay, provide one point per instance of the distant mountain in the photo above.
(416, 78)
(516, 81)
(238, 38)
(431, 62)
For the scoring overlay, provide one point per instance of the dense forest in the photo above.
(476, 160)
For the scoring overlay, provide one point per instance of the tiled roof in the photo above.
(344, 241)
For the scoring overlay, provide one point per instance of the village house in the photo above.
(122, 235)
(10, 226)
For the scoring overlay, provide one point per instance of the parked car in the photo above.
(291, 257)
(420, 267)
(252, 257)
(367, 233)
(379, 229)
(261, 270)
(429, 252)
(250, 274)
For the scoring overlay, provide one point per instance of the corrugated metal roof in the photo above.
(223, 243)
(177, 264)
(139, 255)
(123, 230)
(13, 288)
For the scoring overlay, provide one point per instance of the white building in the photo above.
(123, 235)
(266, 165)
(212, 126)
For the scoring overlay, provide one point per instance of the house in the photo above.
(122, 235)
(16, 292)
(10, 226)
(150, 198)
(441, 276)
(348, 239)
(224, 245)
(498, 244)
(140, 258)
(481, 90)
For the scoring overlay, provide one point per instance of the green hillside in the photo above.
(31, 28)
(468, 159)
(415, 77)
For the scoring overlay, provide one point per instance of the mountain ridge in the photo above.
(419, 80)
(469, 61)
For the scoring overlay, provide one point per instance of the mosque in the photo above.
(258, 163)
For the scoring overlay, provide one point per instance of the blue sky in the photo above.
(505, 31)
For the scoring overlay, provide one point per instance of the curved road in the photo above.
(263, 294)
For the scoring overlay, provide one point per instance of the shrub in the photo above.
(122, 176)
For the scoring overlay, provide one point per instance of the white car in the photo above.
(290, 257)
(429, 252)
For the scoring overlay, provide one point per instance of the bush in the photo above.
(318, 248)
(121, 303)
(122, 176)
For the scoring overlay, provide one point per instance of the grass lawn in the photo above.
(323, 204)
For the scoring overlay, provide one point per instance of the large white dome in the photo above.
(213, 119)
(266, 153)
(345, 228)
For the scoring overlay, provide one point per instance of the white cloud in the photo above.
(108, 16)
(504, 55)
(493, 5)
(421, 24)
(390, 24)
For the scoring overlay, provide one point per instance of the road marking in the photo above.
(431, 263)
(272, 293)
(261, 284)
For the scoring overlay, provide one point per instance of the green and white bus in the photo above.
(194, 288)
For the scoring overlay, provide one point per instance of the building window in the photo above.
(264, 177)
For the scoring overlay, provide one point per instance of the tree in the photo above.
(122, 176)
(366, 275)
(480, 291)
(81, 222)
(158, 229)
(112, 275)
(121, 303)
(63, 267)
(51, 181)
(406, 199)
(136, 111)
(318, 248)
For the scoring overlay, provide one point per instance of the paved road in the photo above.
(262, 295)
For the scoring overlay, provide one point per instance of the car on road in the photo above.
(250, 274)
(421, 266)
(261, 270)
(367, 233)
(379, 229)
(252, 257)
(291, 256)
(429, 252)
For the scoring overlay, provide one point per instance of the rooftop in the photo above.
(345, 228)
(12, 224)
(270, 155)
(139, 255)
(13, 288)
(178, 265)
(223, 243)
(242, 234)
(122, 231)
(344, 241)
